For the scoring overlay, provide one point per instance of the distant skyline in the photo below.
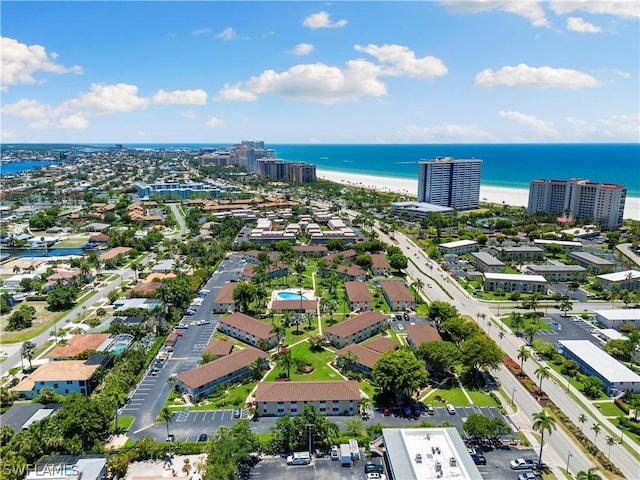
(478, 71)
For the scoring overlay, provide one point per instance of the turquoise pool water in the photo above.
(290, 296)
(118, 349)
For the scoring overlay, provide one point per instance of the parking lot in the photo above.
(571, 328)
(320, 469)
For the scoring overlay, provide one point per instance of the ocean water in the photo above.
(504, 165)
(17, 167)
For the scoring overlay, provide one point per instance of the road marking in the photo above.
(144, 428)
(179, 358)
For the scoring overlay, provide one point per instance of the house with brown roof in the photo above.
(116, 252)
(341, 256)
(144, 289)
(99, 238)
(380, 265)
(224, 301)
(290, 398)
(362, 357)
(345, 272)
(247, 329)
(358, 296)
(78, 344)
(296, 306)
(219, 348)
(64, 377)
(397, 295)
(356, 329)
(276, 270)
(310, 250)
(202, 381)
(416, 334)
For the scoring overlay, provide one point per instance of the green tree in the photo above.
(399, 373)
(398, 261)
(206, 357)
(21, 318)
(441, 356)
(523, 355)
(541, 373)
(592, 387)
(566, 305)
(166, 415)
(27, 350)
(244, 294)
(596, 429)
(610, 441)
(116, 399)
(543, 423)
(480, 352)
(441, 311)
(591, 474)
(582, 419)
(61, 298)
(85, 419)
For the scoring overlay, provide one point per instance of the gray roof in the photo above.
(591, 258)
(487, 259)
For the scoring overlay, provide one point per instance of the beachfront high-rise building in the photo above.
(450, 182)
(598, 202)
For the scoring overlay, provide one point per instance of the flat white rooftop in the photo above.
(458, 243)
(620, 314)
(565, 243)
(620, 276)
(514, 277)
(428, 453)
(600, 361)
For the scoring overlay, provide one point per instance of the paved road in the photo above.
(182, 226)
(470, 306)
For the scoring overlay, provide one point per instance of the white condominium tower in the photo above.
(598, 202)
(450, 182)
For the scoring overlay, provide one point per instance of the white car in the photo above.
(521, 464)
(376, 476)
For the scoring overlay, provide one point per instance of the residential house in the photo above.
(558, 272)
(63, 377)
(363, 357)
(356, 329)
(510, 282)
(297, 306)
(593, 263)
(78, 344)
(358, 296)
(624, 280)
(485, 262)
(290, 398)
(397, 295)
(247, 329)
(521, 254)
(417, 334)
(567, 246)
(205, 380)
(114, 253)
(380, 266)
(224, 301)
(617, 318)
(459, 247)
(219, 348)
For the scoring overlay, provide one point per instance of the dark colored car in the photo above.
(479, 459)
(319, 453)
(386, 411)
(407, 411)
(203, 437)
(372, 467)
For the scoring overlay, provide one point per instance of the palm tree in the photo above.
(610, 442)
(117, 397)
(418, 285)
(27, 351)
(166, 416)
(596, 430)
(523, 355)
(285, 361)
(591, 474)
(279, 330)
(542, 373)
(543, 423)
(582, 418)
(565, 305)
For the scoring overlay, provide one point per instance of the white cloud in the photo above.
(142, 134)
(618, 126)
(234, 93)
(327, 84)
(227, 34)
(444, 133)
(529, 9)
(578, 24)
(7, 135)
(315, 82)
(181, 97)
(100, 100)
(403, 61)
(104, 99)
(200, 31)
(20, 62)
(322, 20)
(303, 49)
(624, 8)
(539, 127)
(188, 114)
(214, 122)
(25, 108)
(525, 76)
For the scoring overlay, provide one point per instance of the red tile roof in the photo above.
(78, 344)
(422, 333)
(248, 324)
(396, 291)
(219, 348)
(358, 291)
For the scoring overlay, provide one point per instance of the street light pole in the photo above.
(513, 394)
(310, 426)
(569, 458)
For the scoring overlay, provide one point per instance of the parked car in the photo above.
(203, 437)
(522, 464)
(529, 476)
(319, 453)
(372, 467)
(375, 476)
(236, 413)
(478, 459)
(335, 453)
(182, 326)
(171, 438)
(431, 410)
(386, 411)
(407, 411)
(451, 409)
(189, 311)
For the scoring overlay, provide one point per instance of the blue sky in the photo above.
(477, 71)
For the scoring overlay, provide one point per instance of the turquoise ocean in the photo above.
(504, 165)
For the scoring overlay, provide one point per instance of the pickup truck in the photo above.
(522, 464)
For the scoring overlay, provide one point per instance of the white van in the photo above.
(299, 458)
(451, 409)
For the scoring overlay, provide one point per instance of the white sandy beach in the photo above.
(517, 197)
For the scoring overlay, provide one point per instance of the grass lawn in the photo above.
(574, 383)
(481, 399)
(42, 320)
(74, 242)
(124, 422)
(609, 409)
(234, 397)
(321, 371)
(454, 396)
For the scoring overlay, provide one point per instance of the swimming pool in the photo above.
(290, 296)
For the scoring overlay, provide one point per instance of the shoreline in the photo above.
(515, 197)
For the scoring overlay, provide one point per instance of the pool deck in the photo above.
(307, 293)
